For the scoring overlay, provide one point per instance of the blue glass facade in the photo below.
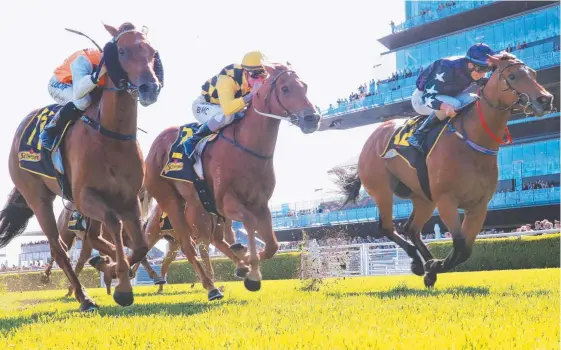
(539, 30)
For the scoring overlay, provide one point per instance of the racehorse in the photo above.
(103, 164)
(238, 171)
(157, 227)
(69, 236)
(462, 167)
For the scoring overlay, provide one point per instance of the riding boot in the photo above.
(68, 113)
(418, 137)
(191, 143)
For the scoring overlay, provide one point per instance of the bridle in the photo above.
(291, 117)
(519, 95)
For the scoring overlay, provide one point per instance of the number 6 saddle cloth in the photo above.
(398, 146)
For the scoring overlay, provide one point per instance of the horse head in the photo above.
(286, 99)
(513, 83)
(132, 63)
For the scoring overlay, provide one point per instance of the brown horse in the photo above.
(239, 172)
(462, 167)
(68, 237)
(103, 163)
(154, 232)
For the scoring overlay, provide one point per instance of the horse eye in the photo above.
(121, 51)
(284, 89)
(511, 76)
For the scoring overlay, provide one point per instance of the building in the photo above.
(528, 187)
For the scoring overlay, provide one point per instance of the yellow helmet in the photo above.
(253, 61)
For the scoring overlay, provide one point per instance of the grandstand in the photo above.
(528, 188)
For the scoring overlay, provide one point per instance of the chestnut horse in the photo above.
(462, 167)
(68, 237)
(103, 163)
(154, 232)
(239, 172)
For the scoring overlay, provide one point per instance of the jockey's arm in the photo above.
(435, 85)
(226, 91)
(82, 71)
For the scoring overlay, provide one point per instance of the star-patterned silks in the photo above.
(431, 89)
(440, 77)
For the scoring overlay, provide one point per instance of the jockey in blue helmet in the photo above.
(440, 88)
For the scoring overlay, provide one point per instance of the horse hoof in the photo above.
(417, 269)
(252, 286)
(123, 298)
(215, 294)
(238, 247)
(88, 305)
(241, 272)
(95, 260)
(430, 279)
(159, 280)
(45, 279)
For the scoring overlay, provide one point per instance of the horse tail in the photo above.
(349, 183)
(14, 217)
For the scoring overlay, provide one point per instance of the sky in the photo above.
(332, 46)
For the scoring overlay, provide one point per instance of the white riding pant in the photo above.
(457, 102)
(211, 114)
(63, 93)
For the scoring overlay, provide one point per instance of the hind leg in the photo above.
(169, 258)
(170, 202)
(422, 211)
(42, 205)
(382, 194)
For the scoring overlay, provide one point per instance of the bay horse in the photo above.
(103, 164)
(155, 232)
(462, 167)
(68, 237)
(238, 170)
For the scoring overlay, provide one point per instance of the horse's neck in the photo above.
(258, 133)
(496, 122)
(118, 112)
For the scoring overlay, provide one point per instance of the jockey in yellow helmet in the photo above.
(225, 95)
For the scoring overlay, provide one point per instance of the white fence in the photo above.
(367, 259)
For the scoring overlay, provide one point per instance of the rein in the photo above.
(510, 108)
(293, 118)
(128, 86)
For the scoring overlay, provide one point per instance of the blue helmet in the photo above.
(477, 54)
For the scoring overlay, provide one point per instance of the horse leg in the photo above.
(168, 259)
(422, 211)
(219, 241)
(461, 249)
(96, 208)
(42, 206)
(104, 247)
(383, 196)
(85, 254)
(46, 276)
(172, 205)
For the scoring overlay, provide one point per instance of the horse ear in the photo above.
(494, 60)
(270, 69)
(112, 30)
(144, 30)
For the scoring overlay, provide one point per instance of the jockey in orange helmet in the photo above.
(70, 86)
(225, 95)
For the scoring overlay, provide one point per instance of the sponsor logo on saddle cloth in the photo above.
(175, 167)
(398, 146)
(77, 222)
(30, 148)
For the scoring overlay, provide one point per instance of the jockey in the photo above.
(225, 95)
(70, 86)
(440, 88)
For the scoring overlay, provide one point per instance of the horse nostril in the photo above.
(545, 100)
(144, 88)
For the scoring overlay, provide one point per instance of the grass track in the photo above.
(516, 309)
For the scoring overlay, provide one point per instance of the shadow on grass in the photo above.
(178, 309)
(402, 292)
